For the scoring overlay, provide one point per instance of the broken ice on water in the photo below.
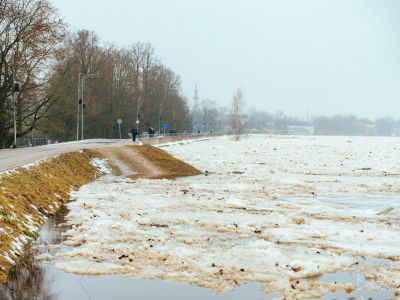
(282, 211)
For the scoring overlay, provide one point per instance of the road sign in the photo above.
(119, 122)
(164, 126)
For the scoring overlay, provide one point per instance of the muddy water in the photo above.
(34, 279)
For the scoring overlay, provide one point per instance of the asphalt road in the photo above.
(13, 158)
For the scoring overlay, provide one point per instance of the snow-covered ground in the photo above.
(279, 210)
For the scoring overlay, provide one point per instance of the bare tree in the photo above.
(237, 114)
(86, 46)
(142, 60)
(210, 117)
(30, 32)
(129, 83)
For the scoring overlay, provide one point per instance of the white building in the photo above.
(300, 129)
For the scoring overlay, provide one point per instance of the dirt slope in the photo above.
(147, 162)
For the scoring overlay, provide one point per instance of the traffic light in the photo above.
(17, 87)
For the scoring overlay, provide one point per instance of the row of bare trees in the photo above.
(114, 83)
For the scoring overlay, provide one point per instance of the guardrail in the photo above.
(157, 135)
(34, 142)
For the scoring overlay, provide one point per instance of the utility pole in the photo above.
(83, 105)
(14, 113)
(159, 119)
(15, 90)
(79, 104)
(137, 112)
(195, 109)
(174, 116)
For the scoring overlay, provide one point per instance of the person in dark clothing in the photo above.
(151, 132)
(134, 133)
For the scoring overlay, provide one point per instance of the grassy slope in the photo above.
(171, 166)
(29, 195)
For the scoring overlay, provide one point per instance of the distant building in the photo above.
(395, 132)
(300, 129)
(367, 129)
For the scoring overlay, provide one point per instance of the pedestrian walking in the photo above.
(151, 132)
(134, 133)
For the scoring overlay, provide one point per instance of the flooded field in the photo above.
(270, 218)
(38, 279)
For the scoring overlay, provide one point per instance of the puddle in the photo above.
(366, 289)
(357, 294)
(34, 279)
(376, 203)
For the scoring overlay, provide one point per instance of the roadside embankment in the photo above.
(28, 195)
(174, 139)
(146, 162)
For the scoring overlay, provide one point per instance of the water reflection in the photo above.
(33, 279)
(30, 279)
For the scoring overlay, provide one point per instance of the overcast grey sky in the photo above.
(325, 56)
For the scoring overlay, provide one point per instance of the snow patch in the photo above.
(101, 165)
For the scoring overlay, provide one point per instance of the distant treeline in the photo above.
(261, 121)
(351, 125)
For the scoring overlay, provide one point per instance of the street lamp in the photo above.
(15, 91)
(137, 115)
(79, 104)
(81, 80)
(159, 119)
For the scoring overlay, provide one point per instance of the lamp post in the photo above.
(174, 117)
(137, 115)
(15, 90)
(16, 87)
(81, 105)
(159, 120)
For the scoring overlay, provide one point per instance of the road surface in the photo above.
(14, 158)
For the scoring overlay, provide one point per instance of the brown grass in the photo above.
(170, 166)
(38, 186)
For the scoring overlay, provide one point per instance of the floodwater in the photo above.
(34, 279)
